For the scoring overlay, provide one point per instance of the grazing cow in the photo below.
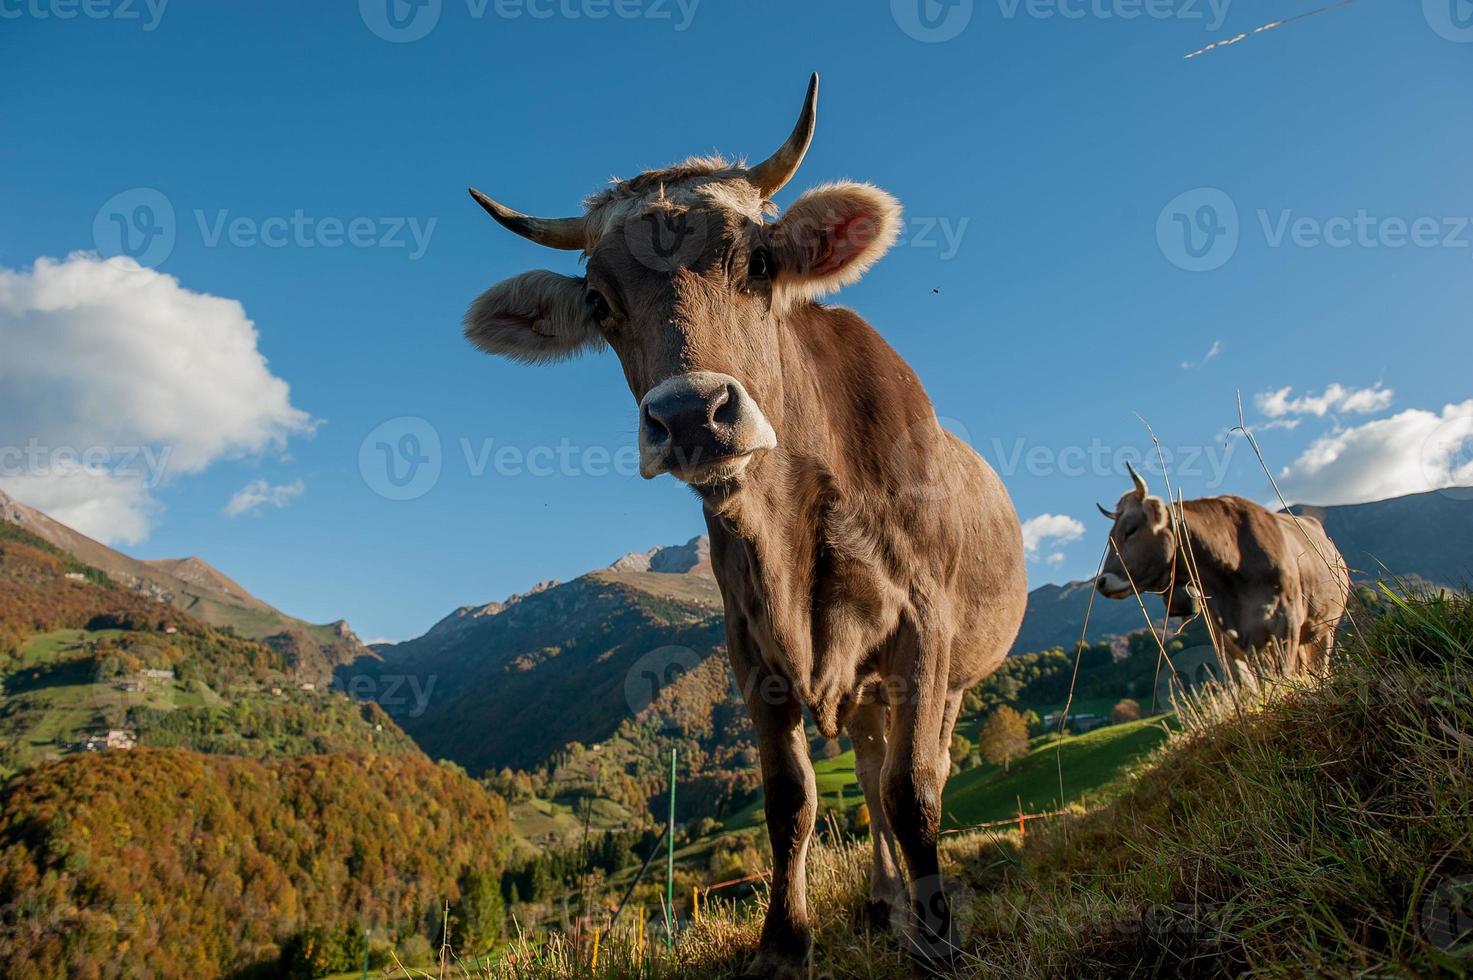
(1274, 585)
(870, 563)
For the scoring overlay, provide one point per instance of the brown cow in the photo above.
(871, 564)
(1275, 585)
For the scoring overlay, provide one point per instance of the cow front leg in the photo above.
(912, 783)
(792, 804)
(866, 727)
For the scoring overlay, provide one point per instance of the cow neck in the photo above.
(779, 516)
(1198, 553)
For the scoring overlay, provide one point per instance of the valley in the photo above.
(552, 713)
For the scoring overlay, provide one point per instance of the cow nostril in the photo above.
(725, 407)
(656, 429)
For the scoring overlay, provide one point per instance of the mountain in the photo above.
(1426, 535)
(513, 683)
(179, 800)
(1423, 536)
(510, 683)
(82, 656)
(192, 585)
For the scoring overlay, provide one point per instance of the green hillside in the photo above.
(80, 656)
(1322, 830)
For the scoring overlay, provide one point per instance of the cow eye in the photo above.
(760, 266)
(598, 306)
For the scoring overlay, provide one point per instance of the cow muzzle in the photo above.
(1113, 586)
(701, 427)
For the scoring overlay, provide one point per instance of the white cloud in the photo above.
(259, 493)
(112, 507)
(1211, 354)
(1410, 452)
(115, 379)
(1057, 528)
(1335, 398)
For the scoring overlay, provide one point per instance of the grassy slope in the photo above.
(1090, 763)
(1324, 832)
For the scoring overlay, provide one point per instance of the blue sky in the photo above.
(1053, 158)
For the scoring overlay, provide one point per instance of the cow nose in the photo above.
(679, 417)
(691, 421)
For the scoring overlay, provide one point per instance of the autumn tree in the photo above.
(1004, 737)
(1127, 709)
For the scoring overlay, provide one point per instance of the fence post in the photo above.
(670, 863)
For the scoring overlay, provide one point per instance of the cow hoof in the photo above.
(876, 915)
(774, 967)
(933, 952)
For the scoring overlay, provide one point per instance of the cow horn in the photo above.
(564, 233)
(1114, 515)
(772, 174)
(1140, 481)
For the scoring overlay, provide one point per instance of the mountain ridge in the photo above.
(194, 586)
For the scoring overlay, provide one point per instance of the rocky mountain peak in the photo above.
(691, 558)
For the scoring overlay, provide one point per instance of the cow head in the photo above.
(1142, 544)
(692, 283)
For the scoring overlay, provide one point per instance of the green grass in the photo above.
(1089, 762)
(1320, 830)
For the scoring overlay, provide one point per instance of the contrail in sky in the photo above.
(1215, 45)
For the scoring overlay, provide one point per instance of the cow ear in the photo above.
(831, 236)
(1157, 514)
(534, 317)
